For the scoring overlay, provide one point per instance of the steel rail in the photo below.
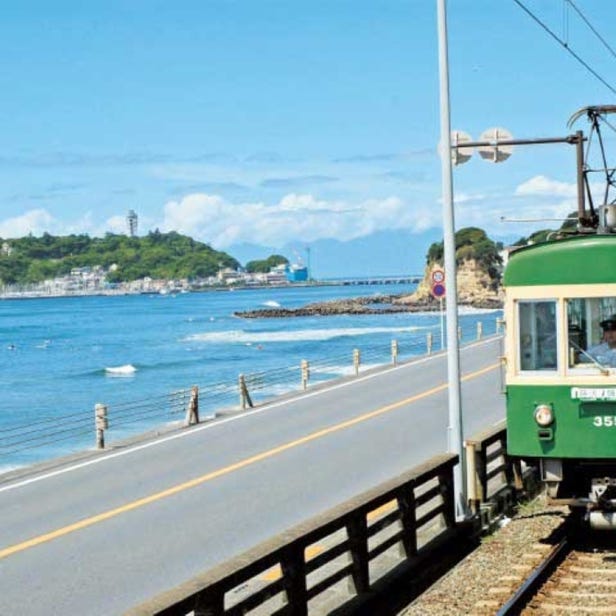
(536, 579)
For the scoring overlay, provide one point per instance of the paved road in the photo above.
(100, 535)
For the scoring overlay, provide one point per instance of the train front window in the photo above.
(538, 349)
(591, 326)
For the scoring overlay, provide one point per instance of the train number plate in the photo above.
(604, 421)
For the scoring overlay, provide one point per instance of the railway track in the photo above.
(575, 577)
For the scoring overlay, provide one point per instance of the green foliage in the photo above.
(569, 225)
(157, 255)
(534, 238)
(471, 243)
(265, 265)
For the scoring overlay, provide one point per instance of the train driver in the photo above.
(605, 351)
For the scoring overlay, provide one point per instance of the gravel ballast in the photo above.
(488, 576)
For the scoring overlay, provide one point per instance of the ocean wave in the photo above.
(7, 468)
(464, 310)
(125, 370)
(300, 335)
(270, 303)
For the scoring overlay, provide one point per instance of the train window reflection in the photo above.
(538, 350)
(591, 326)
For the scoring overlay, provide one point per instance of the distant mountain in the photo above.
(381, 253)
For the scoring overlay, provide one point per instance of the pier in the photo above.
(375, 280)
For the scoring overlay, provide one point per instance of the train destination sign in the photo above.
(593, 393)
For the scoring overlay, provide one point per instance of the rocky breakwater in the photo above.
(378, 304)
(475, 289)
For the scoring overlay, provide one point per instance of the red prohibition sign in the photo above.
(438, 276)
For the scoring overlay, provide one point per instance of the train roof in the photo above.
(581, 259)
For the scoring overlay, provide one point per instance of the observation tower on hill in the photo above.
(132, 220)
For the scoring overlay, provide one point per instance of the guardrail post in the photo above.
(192, 410)
(356, 360)
(459, 334)
(479, 330)
(101, 422)
(305, 368)
(245, 399)
(394, 352)
(429, 343)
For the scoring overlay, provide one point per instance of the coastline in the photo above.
(382, 304)
(171, 290)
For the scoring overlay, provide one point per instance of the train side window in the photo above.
(538, 340)
(591, 325)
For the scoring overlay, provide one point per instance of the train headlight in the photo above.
(544, 415)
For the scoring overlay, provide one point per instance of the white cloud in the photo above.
(35, 221)
(540, 185)
(295, 216)
(115, 224)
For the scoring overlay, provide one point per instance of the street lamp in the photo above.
(494, 145)
(455, 427)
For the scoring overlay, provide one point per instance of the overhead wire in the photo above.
(592, 28)
(565, 45)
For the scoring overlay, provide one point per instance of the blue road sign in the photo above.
(438, 290)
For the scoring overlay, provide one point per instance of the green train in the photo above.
(560, 350)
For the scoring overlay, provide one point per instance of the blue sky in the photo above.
(263, 126)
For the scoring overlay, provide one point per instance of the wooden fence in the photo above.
(337, 558)
(355, 542)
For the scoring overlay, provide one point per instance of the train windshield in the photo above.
(591, 325)
(538, 348)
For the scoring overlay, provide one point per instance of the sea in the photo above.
(136, 354)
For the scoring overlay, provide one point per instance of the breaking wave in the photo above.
(125, 370)
(302, 335)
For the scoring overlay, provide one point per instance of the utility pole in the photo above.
(455, 428)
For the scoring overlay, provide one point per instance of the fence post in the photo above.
(429, 343)
(305, 368)
(356, 360)
(357, 530)
(408, 511)
(499, 323)
(459, 334)
(210, 603)
(472, 477)
(394, 352)
(101, 422)
(479, 330)
(245, 399)
(294, 576)
(192, 410)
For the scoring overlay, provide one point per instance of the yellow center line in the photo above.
(111, 513)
